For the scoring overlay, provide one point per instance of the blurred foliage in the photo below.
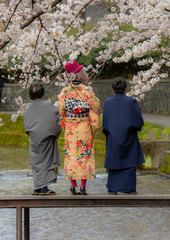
(13, 134)
(111, 69)
(10, 126)
(152, 131)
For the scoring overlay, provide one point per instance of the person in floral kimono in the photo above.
(79, 110)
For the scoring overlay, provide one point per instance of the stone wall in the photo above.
(165, 163)
(156, 101)
(156, 150)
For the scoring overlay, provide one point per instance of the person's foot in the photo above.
(73, 190)
(132, 193)
(83, 191)
(36, 191)
(112, 193)
(46, 191)
(56, 170)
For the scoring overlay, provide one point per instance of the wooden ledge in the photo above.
(122, 200)
(23, 203)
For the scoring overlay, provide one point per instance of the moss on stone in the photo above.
(165, 164)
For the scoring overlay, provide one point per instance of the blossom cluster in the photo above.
(38, 37)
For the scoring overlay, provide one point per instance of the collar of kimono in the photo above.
(76, 82)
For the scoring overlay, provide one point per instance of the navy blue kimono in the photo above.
(122, 119)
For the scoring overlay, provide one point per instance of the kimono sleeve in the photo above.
(94, 102)
(57, 123)
(137, 121)
(105, 117)
(94, 120)
(94, 111)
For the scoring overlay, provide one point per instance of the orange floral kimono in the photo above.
(79, 110)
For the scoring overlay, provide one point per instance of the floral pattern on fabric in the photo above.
(79, 159)
(83, 150)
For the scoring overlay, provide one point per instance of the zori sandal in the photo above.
(46, 191)
(50, 192)
(36, 191)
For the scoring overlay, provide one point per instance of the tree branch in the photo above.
(2, 45)
(28, 22)
(12, 14)
(35, 48)
(77, 15)
(38, 14)
(33, 4)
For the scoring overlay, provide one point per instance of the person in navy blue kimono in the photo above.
(122, 119)
(1, 86)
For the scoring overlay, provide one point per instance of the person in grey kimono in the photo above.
(42, 124)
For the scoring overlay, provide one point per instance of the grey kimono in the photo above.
(42, 124)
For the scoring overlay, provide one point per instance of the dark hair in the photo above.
(36, 91)
(119, 85)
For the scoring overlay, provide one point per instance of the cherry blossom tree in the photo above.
(38, 37)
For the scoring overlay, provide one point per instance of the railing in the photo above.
(21, 202)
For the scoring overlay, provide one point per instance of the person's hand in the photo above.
(94, 130)
(56, 170)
